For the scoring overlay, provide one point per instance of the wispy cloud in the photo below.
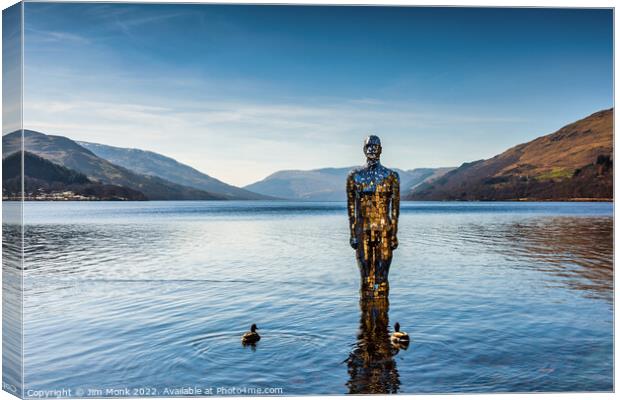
(46, 36)
(219, 137)
(238, 94)
(111, 20)
(135, 21)
(127, 23)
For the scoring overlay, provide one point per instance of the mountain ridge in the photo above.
(45, 180)
(67, 153)
(147, 162)
(328, 184)
(574, 162)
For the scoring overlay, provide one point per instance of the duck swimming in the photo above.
(398, 336)
(251, 337)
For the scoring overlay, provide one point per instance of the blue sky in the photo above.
(239, 92)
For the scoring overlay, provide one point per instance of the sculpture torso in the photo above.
(373, 188)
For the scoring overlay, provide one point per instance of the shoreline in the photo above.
(521, 200)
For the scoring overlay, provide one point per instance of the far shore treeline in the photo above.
(574, 163)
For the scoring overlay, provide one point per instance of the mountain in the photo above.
(415, 177)
(67, 153)
(573, 163)
(328, 184)
(150, 163)
(45, 180)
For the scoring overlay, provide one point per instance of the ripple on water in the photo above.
(279, 346)
(496, 297)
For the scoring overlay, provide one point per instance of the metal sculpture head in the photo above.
(372, 147)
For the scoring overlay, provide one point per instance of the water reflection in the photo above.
(156, 298)
(577, 251)
(12, 301)
(371, 364)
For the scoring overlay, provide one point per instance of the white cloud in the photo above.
(47, 37)
(241, 142)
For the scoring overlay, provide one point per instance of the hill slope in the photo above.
(328, 184)
(67, 153)
(45, 180)
(573, 163)
(150, 163)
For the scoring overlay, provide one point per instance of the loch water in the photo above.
(153, 297)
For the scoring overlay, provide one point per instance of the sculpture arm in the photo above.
(395, 209)
(351, 209)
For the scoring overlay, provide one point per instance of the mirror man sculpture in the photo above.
(373, 203)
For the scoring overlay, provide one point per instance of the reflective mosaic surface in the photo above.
(373, 203)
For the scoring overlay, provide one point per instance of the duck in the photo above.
(398, 336)
(252, 336)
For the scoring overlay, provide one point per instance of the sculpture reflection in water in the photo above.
(371, 365)
(373, 198)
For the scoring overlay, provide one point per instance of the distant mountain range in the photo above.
(67, 153)
(576, 162)
(328, 184)
(44, 180)
(150, 163)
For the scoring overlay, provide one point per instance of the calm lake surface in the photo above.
(496, 297)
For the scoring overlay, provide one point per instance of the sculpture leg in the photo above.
(364, 257)
(365, 260)
(374, 257)
(384, 260)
